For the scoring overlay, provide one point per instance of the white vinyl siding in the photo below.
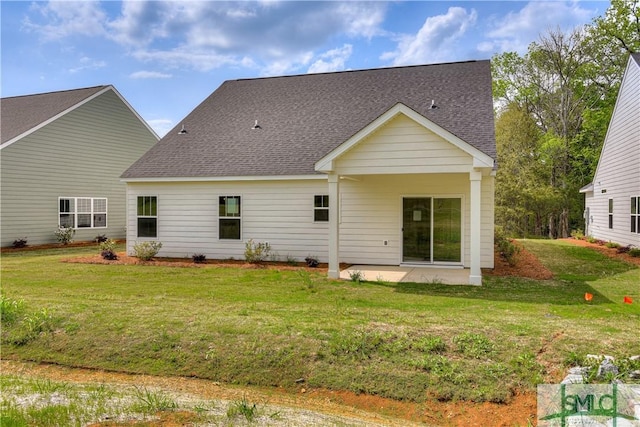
(82, 212)
(371, 212)
(403, 146)
(82, 153)
(278, 212)
(618, 173)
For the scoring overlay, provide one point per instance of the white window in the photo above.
(147, 216)
(82, 212)
(610, 213)
(635, 214)
(229, 218)
(321, 208)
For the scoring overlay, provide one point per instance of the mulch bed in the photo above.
(527, 264)
(610, 252)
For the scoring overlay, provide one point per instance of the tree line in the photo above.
(553, 107)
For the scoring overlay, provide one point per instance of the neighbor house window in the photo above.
(321, 208)
(147, 216)
(635, 214)
(229, 217)
(610, 213)
(82, 212)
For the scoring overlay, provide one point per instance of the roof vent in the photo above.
(433, 105)
(256, 125)
(182, 131)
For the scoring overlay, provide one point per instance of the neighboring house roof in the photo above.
(633, 58)
(22, 115)
(587, 188)
(303, 118)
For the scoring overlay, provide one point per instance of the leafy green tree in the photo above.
(566, 84)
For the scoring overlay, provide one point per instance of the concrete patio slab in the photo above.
(386, 273)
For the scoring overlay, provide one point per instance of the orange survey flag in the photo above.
(628, 300)
(588, 296)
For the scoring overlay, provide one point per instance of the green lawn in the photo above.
(272, 328)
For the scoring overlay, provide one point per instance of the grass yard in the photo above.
(409, 342)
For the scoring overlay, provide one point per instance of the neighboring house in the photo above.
(612, 200)
(384, 166)
(62, 154)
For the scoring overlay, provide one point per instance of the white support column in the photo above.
(475, 178)
(334, 226)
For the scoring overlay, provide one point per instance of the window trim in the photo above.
(635, 216)
(227, 216)
(322, 208)
(610, 214)
(150, 216)
(92, 212)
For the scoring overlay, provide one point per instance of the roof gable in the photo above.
(626, 103)
(23, 115)
(326, 163)
(303, 118)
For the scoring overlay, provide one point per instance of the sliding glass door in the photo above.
(431, 229)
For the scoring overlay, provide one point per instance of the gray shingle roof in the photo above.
(304, 117)
(20, 114)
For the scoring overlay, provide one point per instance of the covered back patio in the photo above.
(407, 274)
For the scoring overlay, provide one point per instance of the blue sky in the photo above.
(166, 57)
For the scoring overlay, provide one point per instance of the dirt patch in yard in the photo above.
(370, 410)
(315, 405)
(610, 252)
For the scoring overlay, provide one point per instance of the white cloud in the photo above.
(88, 64)
(435, 41)
(516, 30)
(183, 57)
(56, 20)
(278, 37)
(333, 60)
(149, 75)
(161, 126)
(270, 36)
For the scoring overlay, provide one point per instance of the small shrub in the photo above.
(256, 252)
(20, 243)
(107, 249)
(199, 258)
(624, 249)
(311, 261)
(577, 234)
(356, 276)
(590, 239)
(291, 260)
(600, 242)
(612, 245)
(101, 238)
(64, 235)
(506, 248)
(634, 252)
(146, 250)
